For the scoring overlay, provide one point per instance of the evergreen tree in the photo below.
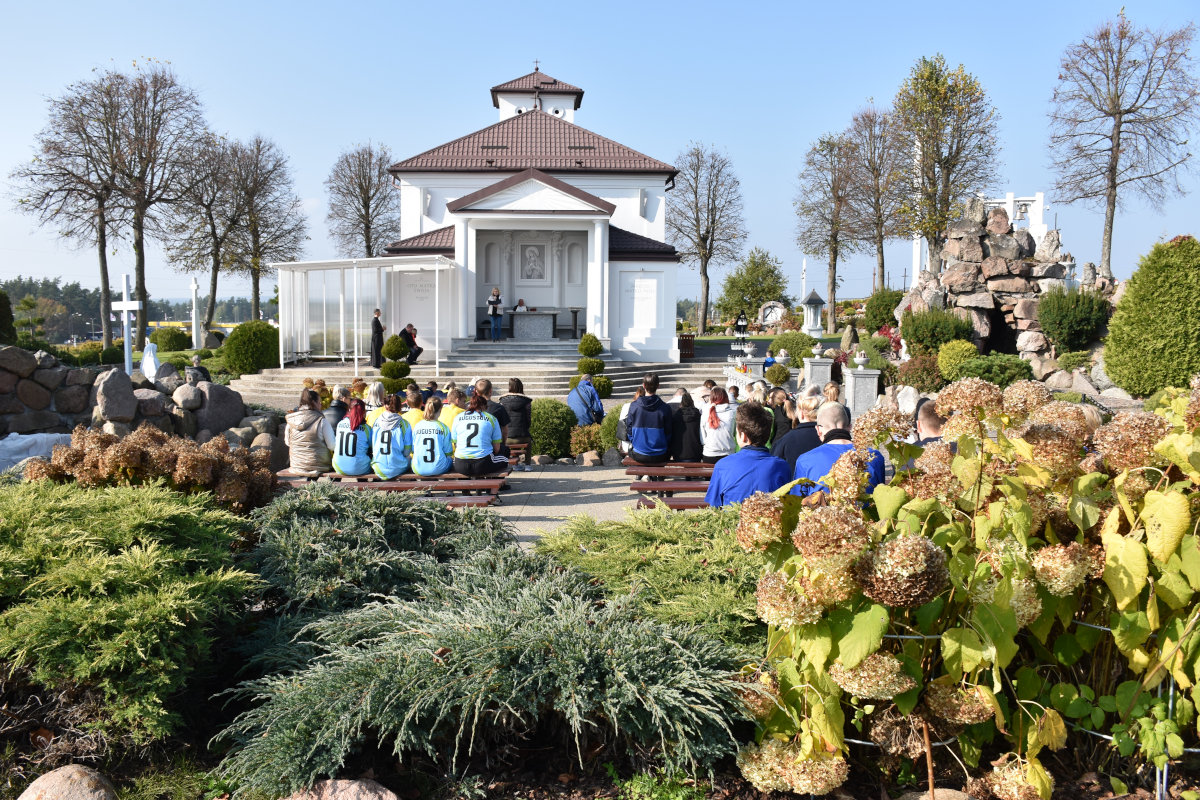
(8, 331)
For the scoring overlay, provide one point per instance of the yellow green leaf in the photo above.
(1037, 777)
(888, 500)
(1052, 731)
(962, 650)
(1167, 518)
(1125, 568)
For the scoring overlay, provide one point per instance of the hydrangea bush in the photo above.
(1024, 587)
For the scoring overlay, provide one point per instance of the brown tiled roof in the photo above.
(602, 205)
(537, 81)
(533, 140)
(439, 242)
(623, 244)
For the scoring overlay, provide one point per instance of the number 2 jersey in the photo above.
(391, 445)
(473, 434)
(432, 448)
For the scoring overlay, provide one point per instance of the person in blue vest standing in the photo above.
(649, 425)
(833, 426)
(751, 469)
(352, 442)
(584, 400)
(391, 441)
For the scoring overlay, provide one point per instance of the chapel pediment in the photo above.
(531, 192)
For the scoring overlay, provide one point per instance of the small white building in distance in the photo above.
(553, 214)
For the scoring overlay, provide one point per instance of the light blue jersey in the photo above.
(473, 434)
(352, 449)
(391, 445)
(432, 448)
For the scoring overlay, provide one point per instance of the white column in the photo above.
(471, 277)
(342, 309)
(606, 280)
(460, 255)
(197, 337)
(595, 282)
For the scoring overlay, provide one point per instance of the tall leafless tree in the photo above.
(276, 227)
(1124, 107)
(72, 180)
(364, 205)
(704, 214)
(877, 182)
(162, 124)
(822, 204)
(207, 227)
(948, 129)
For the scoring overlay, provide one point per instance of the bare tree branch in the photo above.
(822, 204)
(364, 205)
(878, 184)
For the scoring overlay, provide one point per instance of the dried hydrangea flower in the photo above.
(760, 523)
(1054, 448)
(779, 603)
(905, 572)
(961, 425)
(817, 776)
(1024, 397)
(39, 469)
(935, 459)
(973, 396)
(759, 694)
(1065, 416)
(954, 704)
(1127, 442)
(928, 487)
(761, 764)
(832, 532)
(871, 425)
(1025, 603)
(879, 676)
(1062, 568)
(847, 478)
(827, 583)
(1007, 782)
(898, 734)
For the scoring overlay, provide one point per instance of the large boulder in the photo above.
(964, 229)
(51, 377)
(33, 394)
(1025, 308)
(1050, 248)
(71, 399)
(183, 421)
(1025, 243)
(167, 379)
(998, 222)
(975, 211)
(995, 267)
(81, 377)
(118, 429)
(188, 396)
(1011, 285)
(1002, 245)
(1051, 270)
(150, 402)
(613, 457)
(962, 278)
(243, 436)
(907, 398)
(971, 249)
(1031, 341)
(1042, 367)
(72, 782)
(342, 789)
(114, 398)
(11, 404)
(590, 459)
(1116, 393)
(140, 381)
(1060, 381)
(849, 338)
(1081, 384)
(982, 300)
(275, 447)
(36, 421)
(211, 341)
(16, 360)
(1050, 284)
(8, 381)
(222, 408)
(1099, 375)
(260, 424)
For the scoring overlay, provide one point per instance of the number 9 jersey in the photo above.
(474, 433)
(432, 448)
(391, 445)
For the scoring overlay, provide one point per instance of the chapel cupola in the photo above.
(537, 90)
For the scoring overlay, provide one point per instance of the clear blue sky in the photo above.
(761, 80)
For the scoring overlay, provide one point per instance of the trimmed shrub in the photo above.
(880, 308)
(395, 369)
(881, 343)
(1071, 318)
(503, 646)
(396, 385)
(798, 345)
(585, 438)
(590, 366)
(394, 348)
(204, 353)
(252, 346)
(550, 427)
(112, 355)
(608, 430)
(927, 331)
(952, 355)
(110, 599)
(777, 375)
(1074, 360)
(921, 373)
(1154, 335)
(601, 383)
(1001, 369)
(590, 345)
(88, 353)
(170, 339)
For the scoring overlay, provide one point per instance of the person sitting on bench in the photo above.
(309, 436)
(433, 450)
(352, 445)
(752, 469)
(391, 441)
(649, 425)
(408, 335)
(477, 438)
(833, 426)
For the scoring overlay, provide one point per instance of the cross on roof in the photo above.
(535, 64)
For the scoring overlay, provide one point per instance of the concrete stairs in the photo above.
(544, 368)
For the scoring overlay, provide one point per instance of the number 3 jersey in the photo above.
(432, 448)
(391, 445)
(473, 433)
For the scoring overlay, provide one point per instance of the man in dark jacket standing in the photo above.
(649, 425)
(377, 329)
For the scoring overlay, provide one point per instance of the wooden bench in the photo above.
(669, 487)
(286, 476)
(677, 472)
(518, 453)
(673, 503)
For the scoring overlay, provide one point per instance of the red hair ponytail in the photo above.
(718, 397)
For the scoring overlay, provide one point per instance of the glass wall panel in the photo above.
(367, 301)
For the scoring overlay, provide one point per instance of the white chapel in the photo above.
(549, 212)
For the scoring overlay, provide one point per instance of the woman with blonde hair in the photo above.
(832, 392)
(495, 312)
(433, 451)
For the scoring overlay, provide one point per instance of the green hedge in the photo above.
(927, 331)
(952, 355)
(396, 385)
(1071, 318)
(395, 370)
(921, 373)
(394, 348)
(998, 368)
(799, 346)
(590, 345)
(252, 346)
(1074, 360)
(590, 366)
(608, 430)
(881, 307)
(550, 427)
(777, 375)
(1154, 335)
(171, 339)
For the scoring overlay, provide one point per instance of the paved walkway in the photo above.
(539, 501)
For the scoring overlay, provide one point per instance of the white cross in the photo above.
(125, 305)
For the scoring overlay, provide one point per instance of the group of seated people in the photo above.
(422, 432)
(758, 445)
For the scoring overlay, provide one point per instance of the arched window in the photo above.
(491, 264)
(574, 263)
